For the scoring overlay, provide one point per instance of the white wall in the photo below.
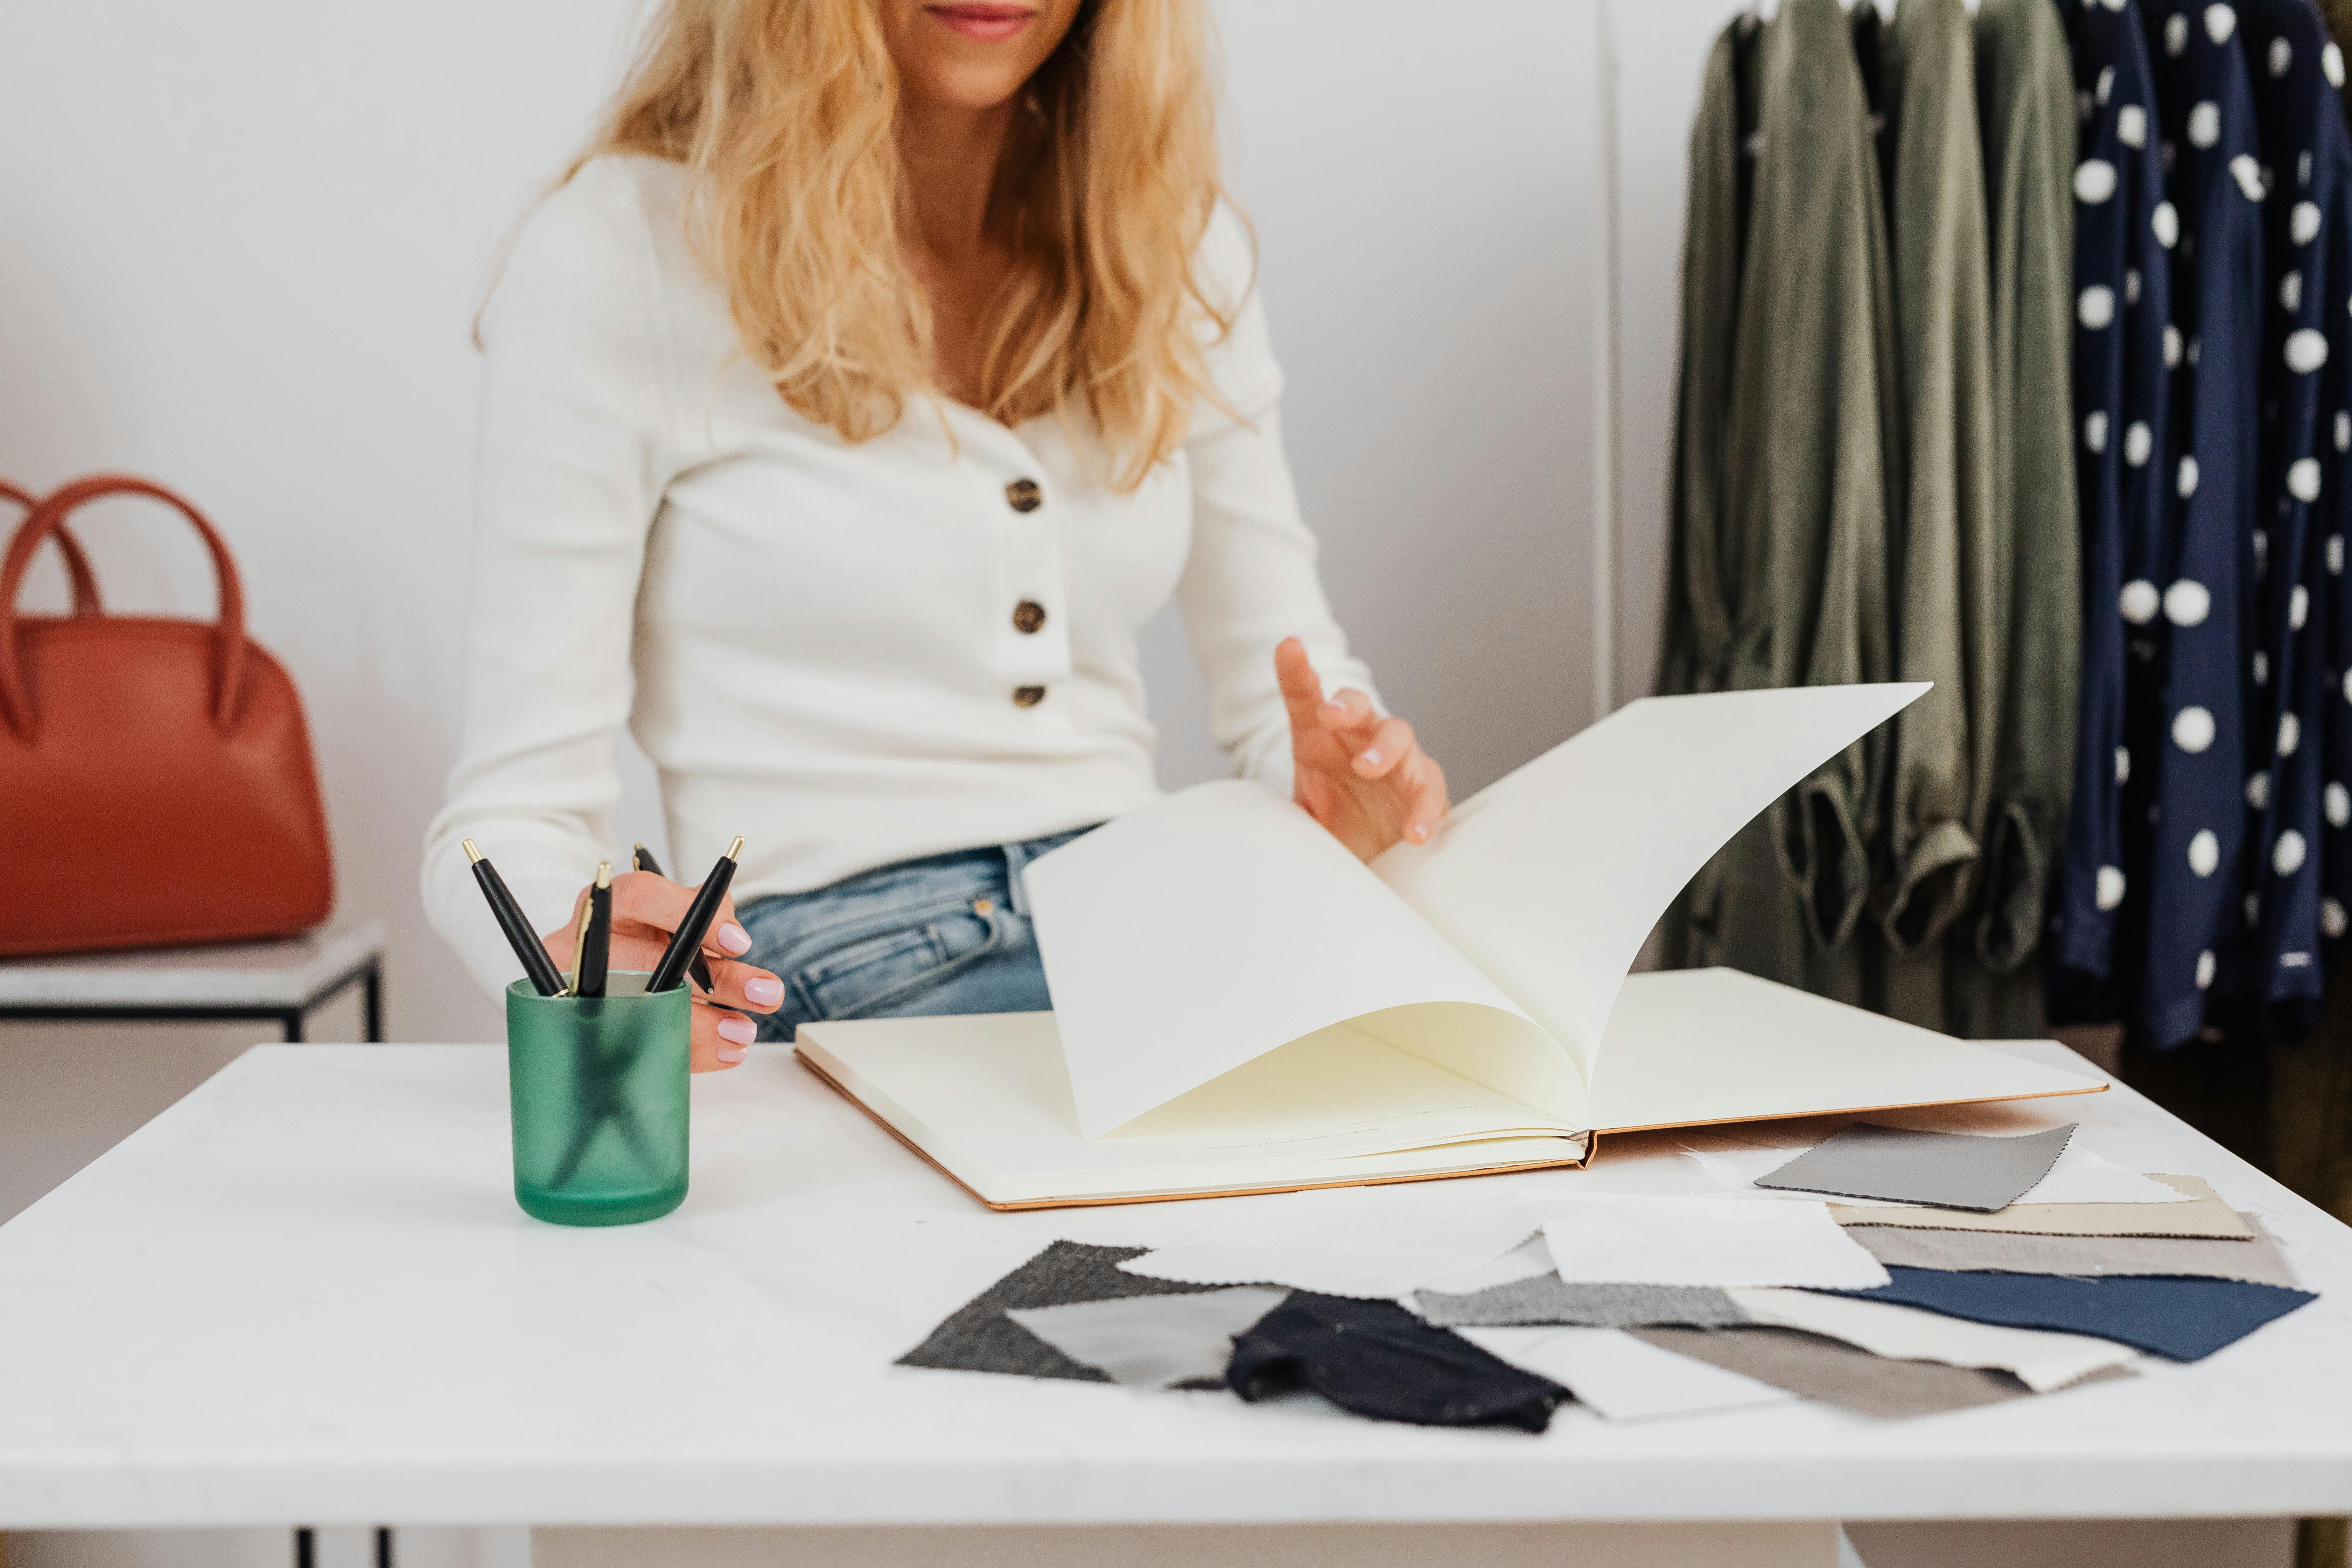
(244, 242)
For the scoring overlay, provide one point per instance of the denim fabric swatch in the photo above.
(2257, 1262)
(1376, 1359)
(1949, 1170)
(1548, 1298)
(979, 1337)
(2184, 1318)
(1838, 1374)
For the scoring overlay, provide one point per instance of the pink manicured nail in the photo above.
(742, 1031)
(1335, 710)
(763, 993)
(1370, 759)
(1418, 832)
(731, 1055)
(734, 938)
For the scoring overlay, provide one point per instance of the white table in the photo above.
(305, 1293)
(264, 981)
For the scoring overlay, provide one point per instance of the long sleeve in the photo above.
(1250, 580)
(576, 438)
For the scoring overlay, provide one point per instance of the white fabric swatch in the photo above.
(1622, 1379)
(1377, 1243)
(2079, 1177)
(1643, 1240)
(1155, 1340)
(1524, 1262)
(2041, 1361)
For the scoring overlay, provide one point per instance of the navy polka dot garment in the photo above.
(2192, 867)
(2124, 231)
(2296, 791)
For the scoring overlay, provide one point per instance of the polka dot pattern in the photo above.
(2331, 61)
(2188, 603)
(2258, 789)
(2186, 482)
(2131, 126)
(2096, 307)
(2290, 734)
(2303, 223)
(2302, 479)
(2109, 890)
(2221, 21)
(2094, 181)
(2205, 967)
(2138, 443)
(2192, 728)
(2204, 852)
(2336, 804)
(2164, 222)
(2249, 175)
(2139, 602)
(2289, 293)
(2298, 607)
(2286, 854)
(2204, 124)
(2331, 917)
(2094, 431)
(2306, 350)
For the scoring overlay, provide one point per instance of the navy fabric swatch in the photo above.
(2185, 1318)
(1376, 1359)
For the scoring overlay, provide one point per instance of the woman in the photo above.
(881, 371)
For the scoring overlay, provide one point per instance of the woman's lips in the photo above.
(982, 22)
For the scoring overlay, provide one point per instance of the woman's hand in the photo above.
(645, 909)
(1362, 776)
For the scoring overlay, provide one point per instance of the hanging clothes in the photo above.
(2337, 16)
(2124, 232)
(2193, 869)
(2301, 800)
(1949, 552)
(1780, 531)
(2026, 108)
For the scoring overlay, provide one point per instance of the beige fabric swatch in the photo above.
(2043, 1361)
(2257, 1262)
(2206, 1215)
(1838, 1374)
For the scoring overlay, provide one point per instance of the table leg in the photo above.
(382, 1536)
(306, 1549)
(371, 1002)
(291, 1022)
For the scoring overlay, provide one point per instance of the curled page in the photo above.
(1213, 926)
(1550, 880)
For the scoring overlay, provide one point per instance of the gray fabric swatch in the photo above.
(1949, 1170)
(2256, 1262)
(1548, 1298)
(1157, 1341)
(1829, 1369)
(979, 1337)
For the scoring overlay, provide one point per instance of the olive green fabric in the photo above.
(1949, 543)
(2338, 14)
(1778, 527)
(2026, 105)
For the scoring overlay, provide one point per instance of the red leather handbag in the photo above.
(156, 785)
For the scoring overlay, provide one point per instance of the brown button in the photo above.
(1023, 495)
(1028, 615)
(1028, 696)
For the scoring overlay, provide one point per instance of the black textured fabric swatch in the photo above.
(979, 1337)
(1376, 1359)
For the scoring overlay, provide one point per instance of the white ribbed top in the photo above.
(815, 642)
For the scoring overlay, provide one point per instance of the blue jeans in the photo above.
(950, 933)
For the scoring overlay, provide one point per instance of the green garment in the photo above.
(2026, 96)
(1949, 547)
(2337, 15)
(1782, 455)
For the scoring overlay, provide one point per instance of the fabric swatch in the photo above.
(1548, 1298)
(2040, 1360)
(1379, 1243)
(1528, 1260)
(2184, 1318)
(1157, 1341)
(2205, 1215)
(1651, 1240)
(1620, 1378)
(1376, 1359)
(979, 1337)
(1838, 1374)
(2080, 1176)
(2257, 1262)
(1951, 1170)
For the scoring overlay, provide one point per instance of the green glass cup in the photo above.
(598, 1090)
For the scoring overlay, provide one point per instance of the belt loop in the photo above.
(1016, 855)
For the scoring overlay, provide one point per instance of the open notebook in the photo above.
(1240, 1006)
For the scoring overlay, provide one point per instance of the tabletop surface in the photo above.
(305, 1292)
(285, 973)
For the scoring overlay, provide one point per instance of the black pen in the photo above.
(545, 978)
(642, 858)
(592, 953)
(670, 973)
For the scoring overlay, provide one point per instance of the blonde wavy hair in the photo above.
(786, 111)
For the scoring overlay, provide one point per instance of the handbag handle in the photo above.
(49, 517)
(78, 571)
